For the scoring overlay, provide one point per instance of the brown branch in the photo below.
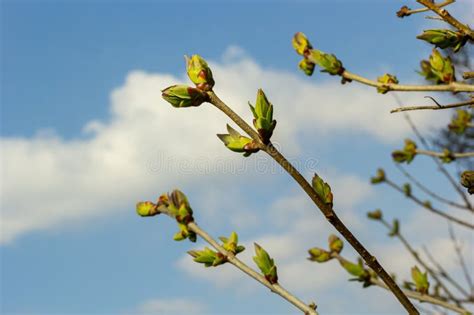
(429, 208)
(232, 259)
(448, 18)
(468, 75)
(327, 211)
(429, 192)
(433, 107)
(405, 11)
(412, 294)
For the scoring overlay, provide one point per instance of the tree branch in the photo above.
(429, 208)
(405, 11)
(328, 212)
(448, 18)
(232, 259)
(433, 107)
(441, 154)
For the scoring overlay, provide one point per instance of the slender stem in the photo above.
(429, 192)
(429, 208)
(412, 294)
(448, 18)
(441, 167)
(328, 212)
(433, 107)
(458, 250)
(440, 154)
(418, 259)
(451, 87)
(443, 273)
(231, 258)
(425, 298)
(440, 5)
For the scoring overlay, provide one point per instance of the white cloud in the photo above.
(50, 181)
(170, 306)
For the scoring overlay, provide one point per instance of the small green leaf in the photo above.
(444, 38)
(375, 215)
(335, 244)
(379, 177)
(231, 244)
(356, 270)
(460, 122)
(328, 62)
(234, 141)
(263, 116)
(184, 96)
(420, 279)
(407, 154)
(265, 264)
(395, 228)
(319, 255)
(386, 79)
(199, 72)
(208, 257)
(323, 190)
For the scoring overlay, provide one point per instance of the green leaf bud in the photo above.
(319, 255)
(199, 72)
(184, 96)
(265, 264)
(323, 190)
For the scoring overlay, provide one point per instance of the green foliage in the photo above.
(460, 121)
(199, 72)
(146, 209)
(328, 62)
(395, 230)
(234, 141)
(265, 264)
(407, 154)
(375, 215)
(231, 245)
(323, 190)
(420, 279)
(319, 255)
(379, 177)
(208, 257)
(263, 116)
(444, 38)
(184, 96)
(386, 79)
(335, 243)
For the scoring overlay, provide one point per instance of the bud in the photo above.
(407, 189)
(420, 279)
(301, 43)
(386, 79)
(234, 141)
(199, 72)
(444, 38)
(427, 73)
(356, 270)
(335, 243)
(395, 228)
(447, 157)
(460, 122)
(328, 62)
(442, 67)
(263, 116)
(407, 154)
(184, 233)
(319, 255)
(375, 215)
(404, 11)
(265, 264)
(379, 177)
(208, 257)
(307, 66)
(323, 190)
(467, 180)
(184, 96)
(231, 244)
(146, 209)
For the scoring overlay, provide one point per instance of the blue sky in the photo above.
(85, 135)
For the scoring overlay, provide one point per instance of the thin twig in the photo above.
(451, 87)
(232, 259)
(433, 107)
(429, 208)
(443, 273)
(429, 192)
(412, 294)
(425, 298)
(420, 10)
(448, 18)
(468, 75)
(328, 212)
(418, 259)
(458, 250)
(441, 167)
(441, 154)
